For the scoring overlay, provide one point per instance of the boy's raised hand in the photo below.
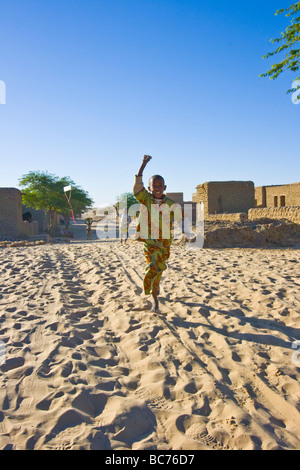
(146, 159)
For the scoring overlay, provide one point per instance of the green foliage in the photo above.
(45, 191)
(289, 43)
(126, 200)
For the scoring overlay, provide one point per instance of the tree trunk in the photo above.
(51, 214)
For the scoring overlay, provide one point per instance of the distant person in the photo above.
(27, 216)
(125, 221)
(88, 223)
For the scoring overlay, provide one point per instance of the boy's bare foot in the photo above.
(155, 304)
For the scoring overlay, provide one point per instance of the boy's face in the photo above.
(157, 187)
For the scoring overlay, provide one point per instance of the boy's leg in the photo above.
(156, 259)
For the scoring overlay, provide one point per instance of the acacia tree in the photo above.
(290, 42)
(41, 190)
(126, 200)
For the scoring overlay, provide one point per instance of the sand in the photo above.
(88, 366)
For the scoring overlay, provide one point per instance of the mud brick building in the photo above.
(12, 225)
(11, 220)
(225, 197)
(190, 207)
(284, 195)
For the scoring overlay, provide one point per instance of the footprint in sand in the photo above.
(46, 403)
(12, 363)
(11, 309)
(194, 428)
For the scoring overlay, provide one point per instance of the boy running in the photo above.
(157, 239)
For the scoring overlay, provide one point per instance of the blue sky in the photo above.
(92, 86)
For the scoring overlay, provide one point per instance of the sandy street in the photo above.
(86, 365)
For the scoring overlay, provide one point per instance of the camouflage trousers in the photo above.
(156, 259)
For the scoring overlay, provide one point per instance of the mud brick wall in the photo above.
(176, 197)
(235, 217)
(38, 216)
(291, 213)
(11, 221)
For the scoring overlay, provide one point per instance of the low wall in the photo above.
(30, 228)
(12, 225)
(39, 216)
(235, 217)
(291, 213)
(273, 234)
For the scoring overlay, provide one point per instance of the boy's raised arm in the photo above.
(138, 184)
(146, 160)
